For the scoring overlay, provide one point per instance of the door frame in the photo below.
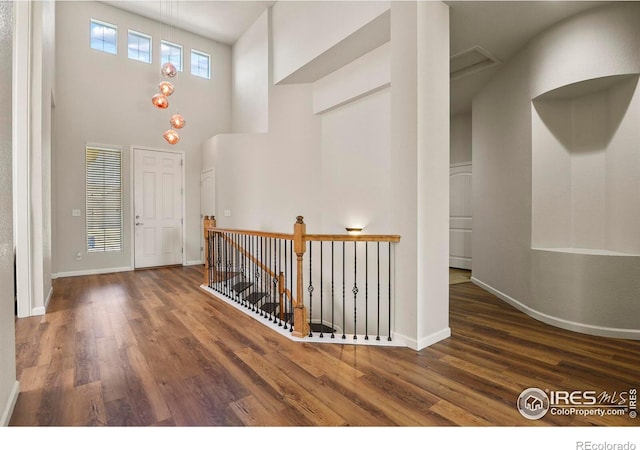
(132, 202)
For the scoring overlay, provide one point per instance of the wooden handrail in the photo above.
(353, 238)
(285, 236)
(300, 239)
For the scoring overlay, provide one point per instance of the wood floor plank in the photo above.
(251, 412)
(151, 348)
(306, 403)
(139, 366)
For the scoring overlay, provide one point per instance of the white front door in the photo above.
(207, 201)
(157, 208)
(460, 216)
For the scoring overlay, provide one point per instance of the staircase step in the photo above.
(270, 308)
(224, 276)
(321, 328)
(255, 297)
(242, 286)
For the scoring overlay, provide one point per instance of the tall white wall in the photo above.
(355, 183)
(106, 99)
(250, 67)
(8, 383)
(266, 180)
(590, 293)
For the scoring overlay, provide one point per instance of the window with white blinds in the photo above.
(104, 199)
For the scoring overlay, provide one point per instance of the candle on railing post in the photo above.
(299, 247)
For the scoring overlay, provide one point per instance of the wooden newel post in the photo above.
(300, 322)
(208, 223)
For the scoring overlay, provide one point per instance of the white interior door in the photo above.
(158, 201)
(460, 217)
(207, 201)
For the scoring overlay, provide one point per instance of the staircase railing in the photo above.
(257, 270)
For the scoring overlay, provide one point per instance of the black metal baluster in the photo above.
(292, 323)
(286, 277)
(261, 273)
(332, 296)
(230, 258)
(220, 267)
(273, 247)
(208, 256)
(229, 241)
(279, 265)
(343, 294)
(224, 266)
(378, 317)
(216, 255)
(366, 291)
(310, 289)
(247, 247)
(355, 289)
(321, 289)
(389, 338)
(256, 276)
(237, 250)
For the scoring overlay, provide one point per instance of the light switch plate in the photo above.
(75, 212)
(227, 213)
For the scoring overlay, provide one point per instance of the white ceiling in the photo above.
(221, 21)
(500, 27)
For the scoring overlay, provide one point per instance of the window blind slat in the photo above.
(104, 224)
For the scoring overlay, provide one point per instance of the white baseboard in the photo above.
(459, 262)
(11, 404)
(425, 341)
(569, 325)
(194, 263)
(79, 273)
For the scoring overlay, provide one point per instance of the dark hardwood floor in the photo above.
(150, 348)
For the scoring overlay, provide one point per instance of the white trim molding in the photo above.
(11, 404)
(423, 342)
(79, 273)
(194, 263)
(558, 322)
(21, 154)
